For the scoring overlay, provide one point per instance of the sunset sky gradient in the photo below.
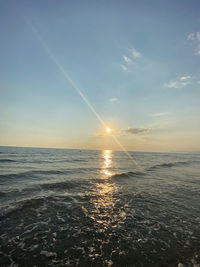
(137, 63)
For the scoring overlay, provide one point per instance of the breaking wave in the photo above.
(169, 164)
(126, 175)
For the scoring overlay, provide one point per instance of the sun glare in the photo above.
(108, 130)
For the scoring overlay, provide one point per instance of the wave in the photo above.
(7, 160)
(31, 203)
(49, 172)
(61, 185)
(79, 160)
(70, 160)
(169, 164)
(34, 173)
(126, 175)
(22, 175)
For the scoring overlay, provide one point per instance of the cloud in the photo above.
(160, 114)
(198, 51)
(182, 81)
(196, 38)
(191, 36)
(135, 131)
(134, 52)
(124, 132)
(101, 134)
(124, 68)
(185, 77)
(127, 59)
(175, 84)
(113, 100)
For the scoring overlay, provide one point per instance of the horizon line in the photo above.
(95, 149)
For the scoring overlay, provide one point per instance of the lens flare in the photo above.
(77, 89)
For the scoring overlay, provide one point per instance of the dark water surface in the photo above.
(62, 207)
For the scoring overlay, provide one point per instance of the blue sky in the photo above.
(136, 62)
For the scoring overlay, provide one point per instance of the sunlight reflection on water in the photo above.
(103, 211)
(93, 209)
(107, 164)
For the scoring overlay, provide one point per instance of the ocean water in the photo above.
(63, 207)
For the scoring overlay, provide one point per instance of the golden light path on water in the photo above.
(102, 211)
(77, 89)
(107, 156)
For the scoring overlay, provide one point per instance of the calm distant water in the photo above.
(96, 208)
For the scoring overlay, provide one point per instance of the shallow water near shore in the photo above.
(64, 207)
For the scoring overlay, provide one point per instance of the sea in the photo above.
(66, 207)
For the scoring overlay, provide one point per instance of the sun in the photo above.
(108, 130)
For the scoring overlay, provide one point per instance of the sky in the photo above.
(69, 69)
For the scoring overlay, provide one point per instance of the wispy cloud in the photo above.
(114, 100)
(184, 77)
(135, 131)
(134, 52)
(191, 36)
(101, 134)
(195, 37)
(175, 84)
(198, 36)
(128, 131)
(127, 59)
(180, 82)
(124, 68)
(159, 114)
